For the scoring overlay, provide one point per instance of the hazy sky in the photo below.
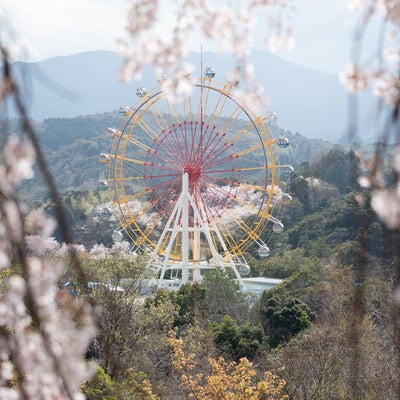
(49, 28)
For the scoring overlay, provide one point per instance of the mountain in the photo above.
(307, 101)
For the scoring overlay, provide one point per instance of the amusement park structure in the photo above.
(194, 183)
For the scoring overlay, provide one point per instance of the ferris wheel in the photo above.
(194, 182)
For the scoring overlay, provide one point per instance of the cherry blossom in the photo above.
(231, 29)
(387, 86)
(18, 159)
(99, 252)
(39, 223)
(386, 202)
(356, 5)
(41, 343)
(380, 72)
(354, 78)
(42, 246)
(64, 250)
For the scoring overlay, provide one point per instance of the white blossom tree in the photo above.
(43, 333)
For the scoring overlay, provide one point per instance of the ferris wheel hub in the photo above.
(194, 172)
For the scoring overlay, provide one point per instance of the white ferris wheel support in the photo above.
(179, 227)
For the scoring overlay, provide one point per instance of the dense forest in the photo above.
(300, 340)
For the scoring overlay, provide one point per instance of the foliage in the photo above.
(216, 296)
(226, 381)
(133, 334)
(318, 365)
(308, 282)
(134, 386)
(55, 133)
(236, 341)
(334, 232)
(299, 190)
(191, 302)
(338, 168)
(139, 386)
(114, 268)
(329, 361)
(100, 387)
(222, 296)
(283, 316)
(119, 332)
(304, 277)
(281, 266)
(74, 161)
(293, 214)
(348, 253)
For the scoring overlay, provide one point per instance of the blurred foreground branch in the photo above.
(43, 332)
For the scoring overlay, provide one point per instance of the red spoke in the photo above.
(168, 147)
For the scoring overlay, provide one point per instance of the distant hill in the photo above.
(307, 101)
(72, 147)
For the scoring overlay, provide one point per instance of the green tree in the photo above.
(235, 340)
(222, 296)
(283, 316)
(299, 189)
(338, 168)
(347, 253)
(294, 213)
(135, 385)
(100, 387)
(290, 263)
(191, 302)
(226, 337)
(376, 244)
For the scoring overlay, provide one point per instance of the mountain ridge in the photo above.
(308, 101)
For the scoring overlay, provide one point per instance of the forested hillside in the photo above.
(333, 248)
